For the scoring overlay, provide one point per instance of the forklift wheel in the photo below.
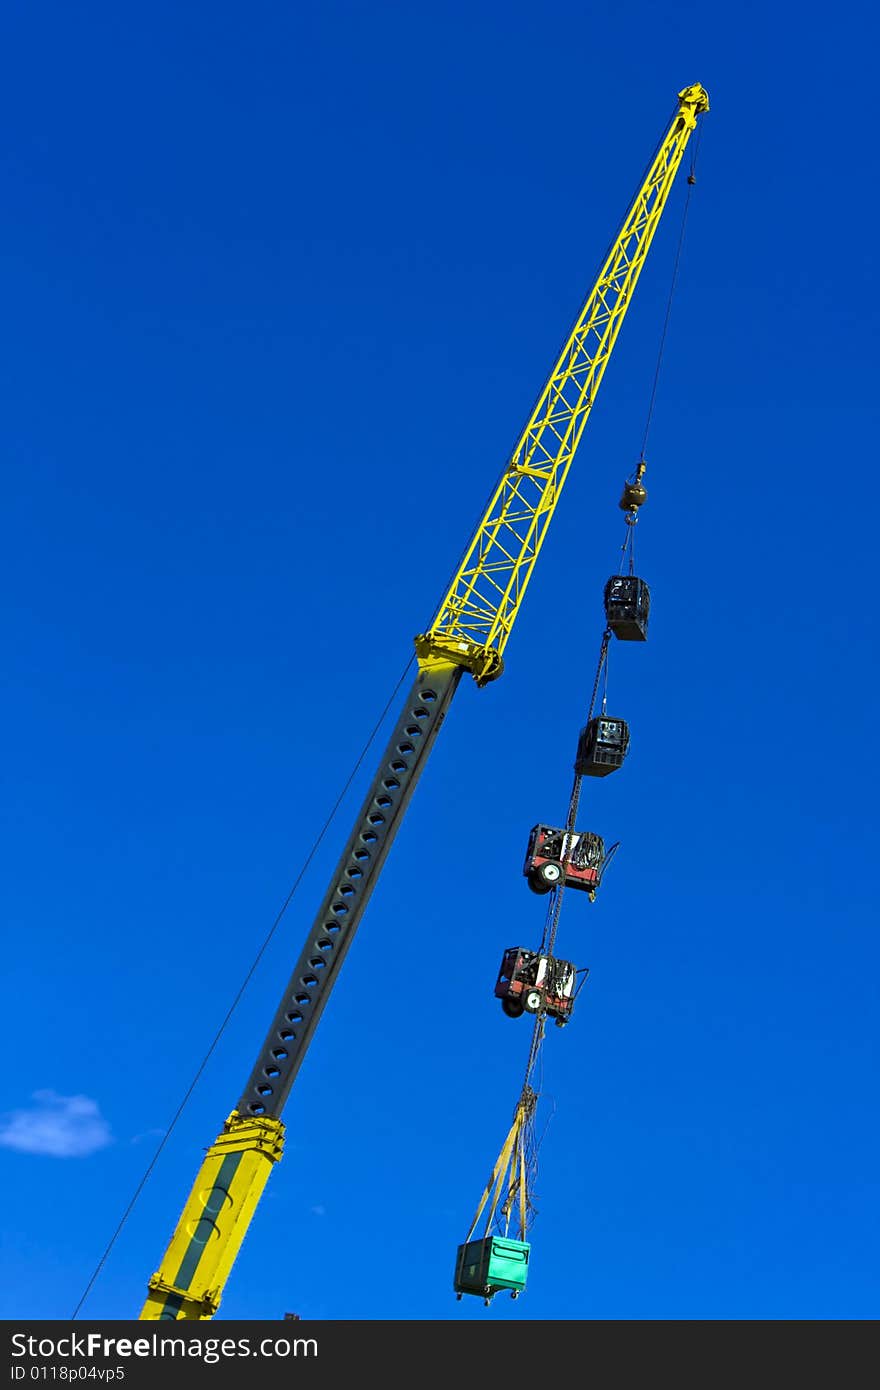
(512, 1007)
(549, 874)
(532, 1000)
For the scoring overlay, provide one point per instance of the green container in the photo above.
(484, 1267)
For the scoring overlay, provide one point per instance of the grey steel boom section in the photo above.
(340, 913)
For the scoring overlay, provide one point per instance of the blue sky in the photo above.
(280, 284)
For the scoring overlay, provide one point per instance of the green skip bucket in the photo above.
(485, 1267)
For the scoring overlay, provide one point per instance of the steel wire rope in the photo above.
(245, 982)
(605, 681)
(603, 657)
(629, 545)
(539, 1138)
(534, 1049)
(555, 911)
(687, 202)
(535, 1141)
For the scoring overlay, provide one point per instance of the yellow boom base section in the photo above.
(213, 1224)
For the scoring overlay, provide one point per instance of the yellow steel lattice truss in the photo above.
(474, 620)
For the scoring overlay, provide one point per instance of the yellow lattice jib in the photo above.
(475, 619)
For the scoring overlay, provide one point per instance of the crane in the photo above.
(468, 633)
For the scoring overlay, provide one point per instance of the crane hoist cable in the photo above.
(480, 1266)
(691, 182)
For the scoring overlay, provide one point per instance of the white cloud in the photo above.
(62, 1126)
(147, 1134)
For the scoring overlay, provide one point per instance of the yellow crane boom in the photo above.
(468, 633)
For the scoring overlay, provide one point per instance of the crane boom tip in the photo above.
(695, 96)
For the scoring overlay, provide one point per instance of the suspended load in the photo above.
(555, 856)
(486, 1267)
(627, 604)
(602, 747)
(529, 982)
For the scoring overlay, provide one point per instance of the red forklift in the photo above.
(529, 982)
(575, 857)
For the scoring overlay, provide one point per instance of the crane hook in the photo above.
(634, 493)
